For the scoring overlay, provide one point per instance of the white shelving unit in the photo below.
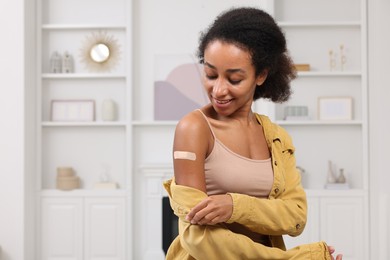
(65, 26)
(84, 223)
(313, 28)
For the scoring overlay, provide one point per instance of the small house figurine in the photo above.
(67, 63)
(55, 63)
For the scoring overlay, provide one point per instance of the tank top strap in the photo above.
(205, 117)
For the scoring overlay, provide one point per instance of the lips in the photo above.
(222, 102)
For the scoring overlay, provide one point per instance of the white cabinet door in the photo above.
(342, 225)
(105, 229)
(339, 221)
(83, 229)
(61, 229)
(311, 231)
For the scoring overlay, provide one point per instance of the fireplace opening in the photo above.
(169, 224)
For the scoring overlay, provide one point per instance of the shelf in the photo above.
(165, 170)
(280, 122)
(82, 27)
(336, 193)
(320, 24)
(319, 123)
(94, 147)
(93, 124)
(154, 123)
(329, 73)
(82, 193)
(82, 76)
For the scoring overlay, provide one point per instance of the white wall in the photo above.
(16, 137)
(379, 109)
(12, 123)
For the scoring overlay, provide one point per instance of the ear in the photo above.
(261, 77)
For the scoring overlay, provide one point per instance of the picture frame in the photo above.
(72, 110)
(335, 108)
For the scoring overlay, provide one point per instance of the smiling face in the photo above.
(229, 77)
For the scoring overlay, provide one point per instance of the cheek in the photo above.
(244, 91)
(207, 85)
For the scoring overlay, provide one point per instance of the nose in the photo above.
(220, 88)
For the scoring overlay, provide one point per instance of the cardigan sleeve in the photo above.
(285, 211)
(218, 242)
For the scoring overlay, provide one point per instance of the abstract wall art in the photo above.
(178, 86)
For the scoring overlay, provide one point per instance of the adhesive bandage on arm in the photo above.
(184, 155)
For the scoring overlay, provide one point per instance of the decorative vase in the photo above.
(341, 178)
(109, 112)
(331, 177)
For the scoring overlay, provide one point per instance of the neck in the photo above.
(244, 117)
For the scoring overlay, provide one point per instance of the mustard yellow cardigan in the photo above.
(284, 212)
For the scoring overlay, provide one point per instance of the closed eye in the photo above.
(234, 82)
(211, 76)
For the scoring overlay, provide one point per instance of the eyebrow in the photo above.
(229, 70)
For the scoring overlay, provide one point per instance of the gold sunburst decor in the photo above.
(100, 52)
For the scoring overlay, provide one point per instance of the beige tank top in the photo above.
(227, 171)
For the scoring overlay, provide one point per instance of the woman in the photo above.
(236, 189)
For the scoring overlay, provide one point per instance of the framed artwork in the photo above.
(335, 108)
(73, 110)
(178, 87)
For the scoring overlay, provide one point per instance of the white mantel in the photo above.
(150, 213)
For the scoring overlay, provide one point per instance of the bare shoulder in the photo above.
(192, 137)
(192, 124)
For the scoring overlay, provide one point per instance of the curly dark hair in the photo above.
(256, 31)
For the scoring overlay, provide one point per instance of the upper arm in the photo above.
(191, 135)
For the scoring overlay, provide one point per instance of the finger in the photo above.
(203, 216)
(201, 205)
(339, 257)
(209, 219)
(215, 221)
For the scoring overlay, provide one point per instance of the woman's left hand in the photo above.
(212, 210)
(331, 251)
